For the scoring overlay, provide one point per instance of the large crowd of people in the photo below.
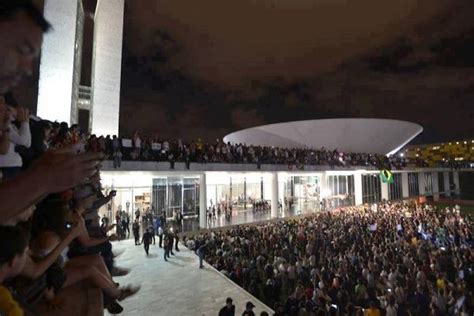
(50, 135)
(199, 151)
(51, 237)
(386, 259)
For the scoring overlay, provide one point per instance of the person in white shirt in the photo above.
(11, 162)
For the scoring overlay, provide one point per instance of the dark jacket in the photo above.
(225, 311)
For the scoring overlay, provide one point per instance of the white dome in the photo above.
(358, 135)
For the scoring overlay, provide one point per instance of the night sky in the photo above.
(206, 68)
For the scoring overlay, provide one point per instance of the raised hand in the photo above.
(22, 114)
(60, 170)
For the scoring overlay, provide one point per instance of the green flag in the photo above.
(386, 176)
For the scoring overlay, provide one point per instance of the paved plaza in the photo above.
(177, 287)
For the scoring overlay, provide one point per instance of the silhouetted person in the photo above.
(176, 239)
(201, 252)
(136, 232)
(228, 309)
(249, 309)
(166, 246)
(171, 242)
(146, 240)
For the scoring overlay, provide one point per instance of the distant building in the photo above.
(461, 151)
(60, 96)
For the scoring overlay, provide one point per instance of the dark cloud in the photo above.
(248, 64)
(210, 67)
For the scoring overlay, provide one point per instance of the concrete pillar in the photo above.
(447, 188)
(202, 201)
(421, 183)
(384, 191)
(457, 189)
(274, 203)
(358, 187)
(434, 180)
(405, 185)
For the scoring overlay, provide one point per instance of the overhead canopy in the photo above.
(380, 136)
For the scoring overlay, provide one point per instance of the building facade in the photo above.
(60, 65)
(106, 66)
(143, 185)
(461, 152)
(61, 98)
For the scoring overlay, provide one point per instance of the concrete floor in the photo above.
(177, 287)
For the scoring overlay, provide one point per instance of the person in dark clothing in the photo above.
(127, 224)
(228, 309)
(200, 252)
(136, 232)
(170, 242)
(176, 238)
(146, 240)
(123, 222)
(151, 229)
(249, 309)
(166, 246)
(163, 219)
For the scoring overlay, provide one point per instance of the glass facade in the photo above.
(428, 183)
(452, 186)
(172, 194)
(413, 186)
(151, 193)
(239, 190)
(371, 188)
(302, 194)
(441, 187)
(340, 190)
(395, 188)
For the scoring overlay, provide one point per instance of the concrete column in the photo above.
(358, 187)
(202, 201)
(405, 186)
(447, 188)
(384, 191)
(274, 203)
(421, 182)
(457, 189)
(434, 180)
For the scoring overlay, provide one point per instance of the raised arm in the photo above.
(52, 173)
(34, 269)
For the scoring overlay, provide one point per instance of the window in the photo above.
(395, 188)
(413, 186)
(371, 188)
(428, 183)
(441, 187)
(342, 190)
